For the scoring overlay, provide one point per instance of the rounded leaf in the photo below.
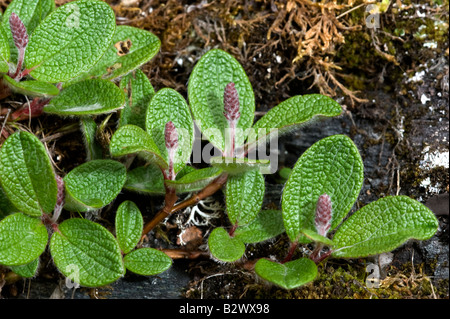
(31, 87)
(194, 180)
(146, 179)
(267, 224)
(223, 247)
(129, 224)
(147, 261)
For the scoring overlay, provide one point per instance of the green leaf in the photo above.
(293, 114)
(130, 48)
(206, 89)
(139, 92)
(22, 239)
(129, 224)
(146, 179)
(237, 165)
(195, 180)
(89, 130)
(30, 12)
(28, 270)
(289, 275)
(382, 226)
(70, 40)
(147, 261)
(131, 139)
(332, 166)
(93, 185)
(31, 87)
(168, 105)
(223, 247)
(315, 237)
(87, 97)
(86, 252)
(4, 51)
(244, 196)
(6, 207)
(267, 224)
(26, 174)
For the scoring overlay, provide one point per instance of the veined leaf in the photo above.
(31, 87)
(70, 40)
(289, 275)
(86, 252)
(223, 247)
(244, 195)
(26, 174)
(4, 51)
(28, 270)
(382, 226)
(267, 224)
(93, 185)
(146, 179)
(139, 92)
(332, 166)
(239, 165)
(89, 131)
(131, 139)
(147, 261)
(22, 239)
(129, 224)
(168, 105)
(194, 180)
(130, 48)
(292, 114)
(206, 90)
(87, 97)
(6, 207)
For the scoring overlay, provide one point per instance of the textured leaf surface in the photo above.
(293, 113)
(87, 97)
(93, 185)
(224, 247)
(139, 92)
(206, 89)
(194, 180)
(131, 139)
(86, 252)
(168, 105)
(289, 275)
(89, 130)
(235, 165)
(244, 195)
(28, 270)
(332, 166)
(146, 179)
(382, 226)
(6, 207)
(4, 51)
(70, 40)
(129, 224)
(31, 87)
(147, 261)
(267, 224)
(26, 174)
(130, 48)
(22, 239)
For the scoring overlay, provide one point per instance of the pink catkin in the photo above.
(19, 32)
(231, 103)
(171, 135)
(323, 214)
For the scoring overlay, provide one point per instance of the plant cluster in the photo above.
(67, 59)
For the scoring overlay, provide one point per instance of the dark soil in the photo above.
(393, 83)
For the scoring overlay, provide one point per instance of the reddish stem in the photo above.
(291, 252)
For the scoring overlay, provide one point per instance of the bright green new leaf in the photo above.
(139, 92)
(223, 247)
(130, 48)
(147, 261)
(87, 97)
(146, 179)
(93, 185)
(131, 139)
(26, 174)
(4, 51)
(89, 130)
(244, 196)
(332, 166)
(382, 226)
(238, 165)
(86, 252)
(289, 275)
(28, 270)
(129, 224)
(168, 105)
(206, 89)
(315, 237)
(22, 239)
(31, 87)
(194, 180)
(70, 40)
(292, 114)
(267, 224)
